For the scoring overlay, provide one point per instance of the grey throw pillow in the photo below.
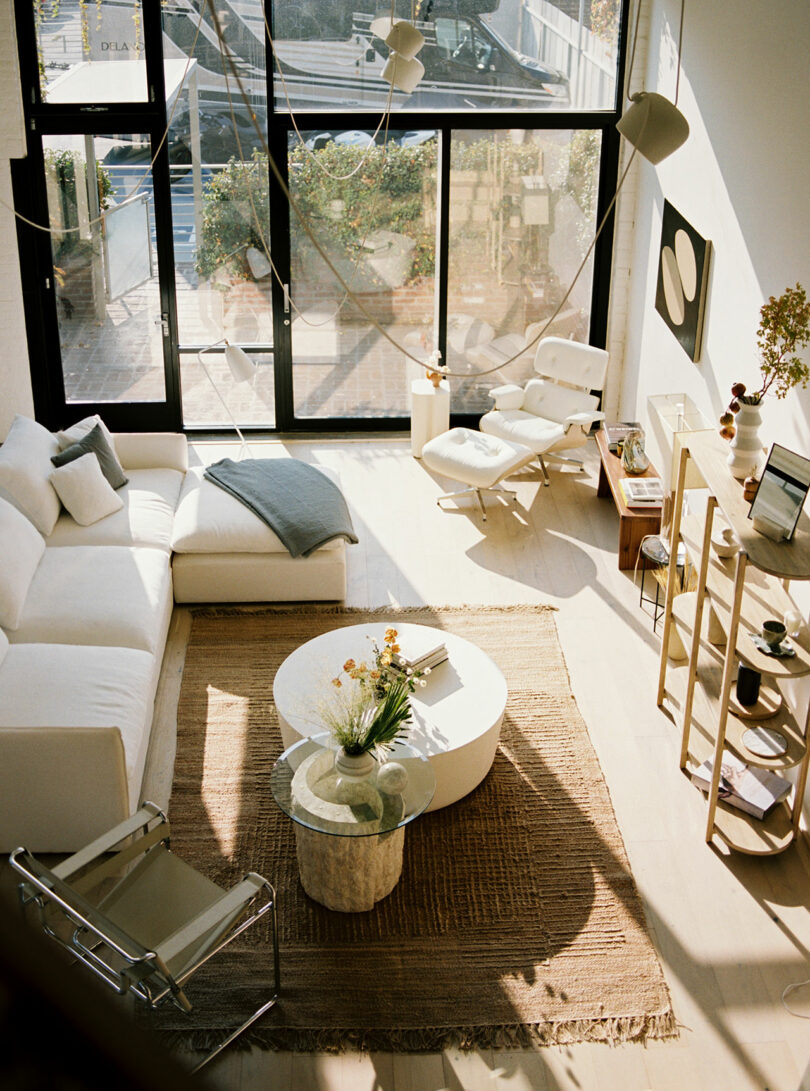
(94, 442)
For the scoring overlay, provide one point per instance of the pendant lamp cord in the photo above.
(635, 42)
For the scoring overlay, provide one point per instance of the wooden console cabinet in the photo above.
(634, 523)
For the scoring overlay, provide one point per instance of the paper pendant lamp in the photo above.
(403, 72)
(653, 125)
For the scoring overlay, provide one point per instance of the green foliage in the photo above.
(61, 166)
(784, 327)
(373, 725)
(236, 215)
(386, 192)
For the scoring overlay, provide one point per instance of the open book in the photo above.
(745, 787)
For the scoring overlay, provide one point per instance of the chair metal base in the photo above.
(235, 1034)
(477, 493)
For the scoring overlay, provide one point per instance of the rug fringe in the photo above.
(268, 608)
(614, 1031)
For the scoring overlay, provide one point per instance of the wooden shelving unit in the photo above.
(741, 592)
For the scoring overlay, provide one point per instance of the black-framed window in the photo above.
(457, 226)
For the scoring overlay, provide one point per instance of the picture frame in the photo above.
(781, 493)
(683, 276)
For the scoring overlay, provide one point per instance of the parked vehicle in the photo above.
(331, 57)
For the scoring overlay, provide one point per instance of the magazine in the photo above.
(420, 651)
(747, 788)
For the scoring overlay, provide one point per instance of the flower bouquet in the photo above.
(371, 706)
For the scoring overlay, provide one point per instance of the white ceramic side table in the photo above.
(430, 412)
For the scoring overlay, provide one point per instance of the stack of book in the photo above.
(642, 492)
(616, 433)
(420, 653)
(747, 788)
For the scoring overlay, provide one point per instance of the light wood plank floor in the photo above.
(731, 931)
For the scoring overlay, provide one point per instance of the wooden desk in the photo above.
(634, 523)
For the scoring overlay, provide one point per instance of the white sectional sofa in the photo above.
(84, 617)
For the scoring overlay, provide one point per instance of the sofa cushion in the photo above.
(4, 646)
(85, 491)
(79, 430)
(86, 687)
(95, 443)
(210, 520)
(25, 469)
(150, 498)
(104, 595)
(555, 402)
(21, 549)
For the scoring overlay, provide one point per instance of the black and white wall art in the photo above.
(683, 272)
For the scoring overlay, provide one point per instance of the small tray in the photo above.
(764, 742)
(780, 651)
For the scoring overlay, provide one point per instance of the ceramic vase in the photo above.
(353, 765)
(746, 447)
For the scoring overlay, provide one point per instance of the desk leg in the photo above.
(349, 874)
(602, 485)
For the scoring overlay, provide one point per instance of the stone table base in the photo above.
(349, 874)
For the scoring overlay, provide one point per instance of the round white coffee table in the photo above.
(456, 716)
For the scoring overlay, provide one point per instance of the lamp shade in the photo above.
(403, 72)
(653, 125)
(405, 39)
(239, 362)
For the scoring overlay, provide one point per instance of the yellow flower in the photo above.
(374, 674)
(385, 659)
(349, 665)
(336, 682)
(390, 636)
(394, 648)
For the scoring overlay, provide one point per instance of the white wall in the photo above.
(15, 378)
(741, 181)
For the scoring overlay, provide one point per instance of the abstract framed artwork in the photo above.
(683, 273)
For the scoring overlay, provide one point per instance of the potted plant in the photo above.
(784, 328)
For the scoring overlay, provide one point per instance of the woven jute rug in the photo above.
(516, 921)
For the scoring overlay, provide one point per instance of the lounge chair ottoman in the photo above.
(478, 460)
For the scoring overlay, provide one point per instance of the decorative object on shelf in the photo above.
(750, 486)
(634, 458)
(683, 276)
(793, 621)
(767, 703)
(783, 650)
(724, 542)
(748, 682)
(781, 493)
(434, 370)
(745, 455)
(784, 327)
(764, 742)
(773, 633)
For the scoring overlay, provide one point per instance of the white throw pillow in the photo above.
(25, 470)
(85, 491)
(80, 429)
(507, 397)
(21, 549)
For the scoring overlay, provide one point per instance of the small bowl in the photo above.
(773, 633)
(725, 543)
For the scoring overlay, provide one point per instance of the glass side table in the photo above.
(350, 826)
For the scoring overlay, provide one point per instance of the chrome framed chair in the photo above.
(555, 412)
(139, 917)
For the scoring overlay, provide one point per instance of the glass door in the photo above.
(101, 214)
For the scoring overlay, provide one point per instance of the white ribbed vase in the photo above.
(746, 447)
